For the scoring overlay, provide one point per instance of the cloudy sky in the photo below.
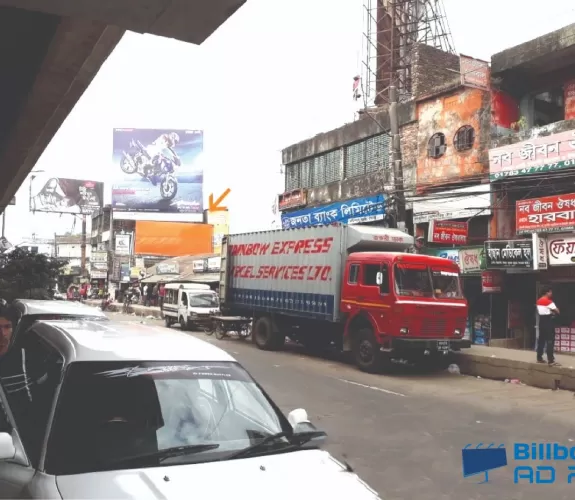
(277, 72)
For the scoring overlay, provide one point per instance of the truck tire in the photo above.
(183, 323)
(366, 353)
(265, 337)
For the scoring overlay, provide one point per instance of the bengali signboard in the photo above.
(474, 72)
(561, 250)
(471, 260)
(292, 199)
(98, 256)
(158, 170)
(354, 211)
(448, 232)
(492, 281)
(545, 215)
(65, 196)
(505, 254)
(540, 252)
(538, 155)
(167, 268)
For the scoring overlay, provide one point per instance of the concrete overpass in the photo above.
(50, 50)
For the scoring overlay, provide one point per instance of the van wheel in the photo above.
(366, 353)
(183, 323)
(168, 321)
(265, 337)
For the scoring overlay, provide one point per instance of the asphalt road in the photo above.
(403, 434)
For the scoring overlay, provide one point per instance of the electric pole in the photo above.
(83, 248)
(397, 165)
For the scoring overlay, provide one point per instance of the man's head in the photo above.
(547, 292)
(6, 328)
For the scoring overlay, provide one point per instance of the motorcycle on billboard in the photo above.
(153, 164)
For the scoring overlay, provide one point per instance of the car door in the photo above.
(31, 375)
(17, 473)
(373, 297)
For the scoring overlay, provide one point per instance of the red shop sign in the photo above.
(491, 281)
(292, 199)
(570, 100)
(545, 215)
(448, 232)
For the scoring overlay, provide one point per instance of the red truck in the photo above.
(352, 286)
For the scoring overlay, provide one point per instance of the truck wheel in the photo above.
(168, 322)
(183, 323)
(265, 337)
(368, 357)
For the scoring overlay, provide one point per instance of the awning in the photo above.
(156, 278)
(200, 278)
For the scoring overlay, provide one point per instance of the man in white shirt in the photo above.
(547, 311)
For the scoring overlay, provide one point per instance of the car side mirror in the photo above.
(379, 278)
(7, 447)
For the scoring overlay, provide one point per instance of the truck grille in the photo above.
(433, 327)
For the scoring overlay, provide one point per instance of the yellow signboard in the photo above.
(221, 222)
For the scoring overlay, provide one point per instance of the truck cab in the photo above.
(401, 305)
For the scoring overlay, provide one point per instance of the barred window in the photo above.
(436, 147)
(292, 176)
(464, 138)
(367, 156)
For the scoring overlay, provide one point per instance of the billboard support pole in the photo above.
(3, 221)
(83, 248)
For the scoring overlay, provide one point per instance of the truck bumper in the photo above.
(432, 345)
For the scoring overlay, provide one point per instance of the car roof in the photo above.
(85, 340)
(39, 307)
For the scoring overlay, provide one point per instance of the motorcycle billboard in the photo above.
(158, 170)
(68, 196)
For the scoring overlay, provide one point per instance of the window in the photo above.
(123, 415)
(446, 284)
(370, 274)
(464, 138)
(412, 280)
(384, 287)
(209, 299)
(353, 274)
(436, 147)
(184, 299)
(30, 384)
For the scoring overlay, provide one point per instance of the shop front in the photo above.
(472, 263)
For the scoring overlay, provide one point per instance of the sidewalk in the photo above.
(480, 361)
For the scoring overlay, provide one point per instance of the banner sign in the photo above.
(123, 244)
(474, 72)
(355, 211)
(540, 250)
(561, 250)
(491, 281)
(167, 268)
(99, 257)
(292, 199)
(445, 253)
(538, 155)
(448, 232)
(65, 196)
(504, 254)
(158, 170)
(471, 260)
(545, 215)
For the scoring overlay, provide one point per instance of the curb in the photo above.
(532, 374)
(137, 310)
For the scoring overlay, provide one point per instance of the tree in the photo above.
(24, 274)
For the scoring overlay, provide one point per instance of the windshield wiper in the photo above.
(162, 455)
(295, 441)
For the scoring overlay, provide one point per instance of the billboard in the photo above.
(158, 171)
(68, 196)
(172, 239)
(221, 222)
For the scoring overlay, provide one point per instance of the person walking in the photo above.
(547, 311)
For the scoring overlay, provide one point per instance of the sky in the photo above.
(274, 74)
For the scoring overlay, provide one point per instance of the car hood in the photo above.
(299, 475)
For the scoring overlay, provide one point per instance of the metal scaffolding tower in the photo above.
(392, 30)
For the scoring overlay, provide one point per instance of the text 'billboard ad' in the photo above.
(68, 196)
(158, 170)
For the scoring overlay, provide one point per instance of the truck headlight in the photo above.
(457, 332)
(403, 331)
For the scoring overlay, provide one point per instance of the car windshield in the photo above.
(203, 300)
(446, 284)
(114, 415)
(412, 280)
(28, 320)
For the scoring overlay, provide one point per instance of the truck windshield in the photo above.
(446, 284)
(413, 280)
(203, 300)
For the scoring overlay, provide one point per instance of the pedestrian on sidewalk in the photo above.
(547, 311)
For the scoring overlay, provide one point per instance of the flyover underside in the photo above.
(48, 63)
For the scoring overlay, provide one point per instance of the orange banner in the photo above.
(173, 239)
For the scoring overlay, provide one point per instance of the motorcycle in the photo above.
(106, 302)
(159, 169)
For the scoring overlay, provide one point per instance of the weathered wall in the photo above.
(409, 137)
(446, 114)
(433, 69)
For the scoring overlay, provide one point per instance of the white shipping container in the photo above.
(299, 271)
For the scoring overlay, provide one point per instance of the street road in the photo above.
(403, 434)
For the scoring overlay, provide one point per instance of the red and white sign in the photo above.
(448, 232)
(545, 215)
(474, 72)
(491, 281)
(292, 199)
(570, 100)
(561, 250)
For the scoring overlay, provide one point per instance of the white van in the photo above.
(190, 304)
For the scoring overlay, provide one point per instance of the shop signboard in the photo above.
(474, 72)
(545, 215)
(569, 100)
(509, 254)
(445, 253)
(561, 250)
(123, 244)
(492, 281)
(100, 257)
(214, 264)
(448, 232)
(292, 199)
(167, 268)
(200, 265)
(471, 260)
(356, 211)
(535, 156)
(125, 271)
(540, 251)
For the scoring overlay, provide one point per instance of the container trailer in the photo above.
(357, 287)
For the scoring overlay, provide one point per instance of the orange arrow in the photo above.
(215, 206)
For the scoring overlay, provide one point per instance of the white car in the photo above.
(117, 410)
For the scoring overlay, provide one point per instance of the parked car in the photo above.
(122, 410)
